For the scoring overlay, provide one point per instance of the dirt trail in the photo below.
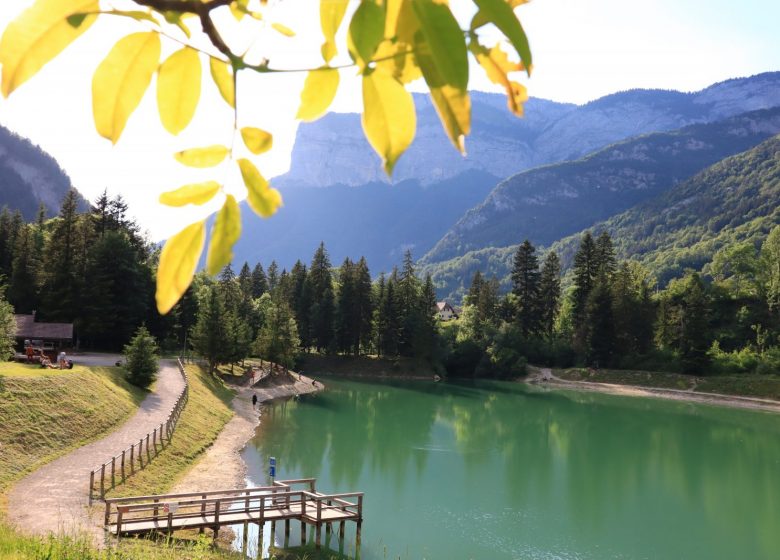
(222, 466)
(545, 377)
(55, 497)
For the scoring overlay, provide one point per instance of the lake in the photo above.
(495, 470)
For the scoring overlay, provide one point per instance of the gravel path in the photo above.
(55, 497)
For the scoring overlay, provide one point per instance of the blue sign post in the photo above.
(272, 468)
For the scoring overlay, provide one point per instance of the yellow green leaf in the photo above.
(497, 66)
(318, 93)
(196, 193)
(137, 15)
(239, 9)
(258, 141)
(178, 260)
(366, 31)
(481, 19)
(178, 89)
(121, 80)
(283, 29)
(208, 156)
(331, 14)
(38, 35)
(224, 234)
(398, 61)
(263, 199)
(500, 14)
(222, 74)
(389, 120)
(177, 19)
(446, 45)
(452, 104)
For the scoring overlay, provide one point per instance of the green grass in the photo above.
(747, 385)
(46, 416)
(16, 369)
(206, 413)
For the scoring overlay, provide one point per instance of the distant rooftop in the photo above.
(27, 328)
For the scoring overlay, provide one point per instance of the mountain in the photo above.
(550, 202)
(377, 220)
(29, 176)
(333, 151)
(735, 200)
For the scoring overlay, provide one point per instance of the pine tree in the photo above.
(695, 335)
(209, 337)
(364, 306)
(388, 325)
(273, 276)
(141, 357)
(65, 264)
(278, 338)
(606, 264)
(427, 323)
(585, 274)
(601, 333)
(245, 281)
(22, 290)
(474, 289)
(632, 310)
(301, 303)
(770, 277)
(525, 286)
(259, 281)
(408, 295)
(345, 304)
(549, 293)
(323, 303)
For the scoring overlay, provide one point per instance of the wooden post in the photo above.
(245, 539)
(357, 535)
(132, 459)
(156, 510)
(341, 530)
(123, 465)
(216, 519)
(141, 453)
(260, 527)
(286, 530)
(170, 523)
(148, 458)
(318, 529)
(113, 471)
(273, 532)
(102, 480)
(107, 517)
(154, 441)
(303, 533)
(119, 525)
(91, 485)
(203, 512)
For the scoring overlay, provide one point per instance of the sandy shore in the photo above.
(222, 466)
(544, 377)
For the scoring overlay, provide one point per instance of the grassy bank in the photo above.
(47, 413)
(741, 385)
(207, 411)
(314, 365)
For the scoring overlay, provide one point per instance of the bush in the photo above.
(141, 355)
(745, 360)
(770, 362)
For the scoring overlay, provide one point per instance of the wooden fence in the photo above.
(136, 457)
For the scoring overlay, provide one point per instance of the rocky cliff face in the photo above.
(547, 203)
(333, 150)
(29, 177)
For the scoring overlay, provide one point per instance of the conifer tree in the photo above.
(345, 304)
(600, 333)
(549, 293)
(585, 275)
(364, 305)
(606, 263)
(476, 285)
(245, 281)
(22, 292)
(7, 327)
(525, 286)
(407, 292)
(278, 338)
(259, 281)
(209, 336)
(323, 302)
(695, 333)
(141, 357)
(426, 330)
(272, 276)
(64, 263)
(301, 303)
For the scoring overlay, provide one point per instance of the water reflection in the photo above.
(502, 471)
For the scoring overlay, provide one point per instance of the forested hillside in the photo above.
(550, 202)
(731, 204)
(333, 151)
(30, 177)
(735, 202)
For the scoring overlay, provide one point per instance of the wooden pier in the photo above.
(286, 500)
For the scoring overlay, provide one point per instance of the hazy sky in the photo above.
(582, 49)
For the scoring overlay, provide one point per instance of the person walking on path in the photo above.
(62, 360)
(254, 400)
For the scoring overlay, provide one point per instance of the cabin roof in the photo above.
(27, 328)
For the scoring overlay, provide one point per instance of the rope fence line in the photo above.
(136, 457)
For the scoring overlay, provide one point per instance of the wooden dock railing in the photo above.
(136, 457)
(167, 513)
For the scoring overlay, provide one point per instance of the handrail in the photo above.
(163, 433)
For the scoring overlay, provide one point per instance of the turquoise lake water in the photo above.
(505, 471)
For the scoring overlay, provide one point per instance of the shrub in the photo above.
(141, 355)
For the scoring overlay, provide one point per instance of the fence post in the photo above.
(113, 471)
(132, 459)
(123, 464)
(91, 485)
(102, 479)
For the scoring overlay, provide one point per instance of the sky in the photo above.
(582, 50)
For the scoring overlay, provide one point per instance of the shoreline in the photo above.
(222, 466)
(543, 377)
